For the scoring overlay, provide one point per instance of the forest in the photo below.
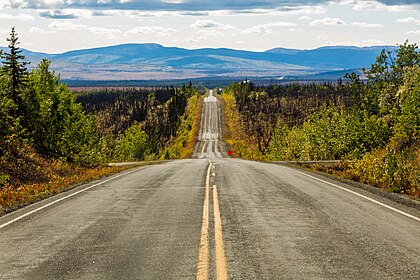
(137, 124)
(371, 124)
(52, 138)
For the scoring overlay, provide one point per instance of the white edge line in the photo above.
(63, 198)
(358, 194)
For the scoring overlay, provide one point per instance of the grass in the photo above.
(25, 178)
(393, 171)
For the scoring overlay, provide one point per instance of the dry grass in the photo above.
(26, 177)
(397, 172)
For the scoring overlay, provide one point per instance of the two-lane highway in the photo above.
(210, 218)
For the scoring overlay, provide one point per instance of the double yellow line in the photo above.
(203, 252)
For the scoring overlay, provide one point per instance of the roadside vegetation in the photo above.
(140, 123)
(182, 146)
(51, 138)
(31, 177)
(242, 145)
(374, 123)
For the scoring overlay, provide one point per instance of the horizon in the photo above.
(215, 48)
(55, 26)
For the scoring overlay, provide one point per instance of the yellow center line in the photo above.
(221, 267)
(203, 252)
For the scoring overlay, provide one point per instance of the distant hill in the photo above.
(156, 62)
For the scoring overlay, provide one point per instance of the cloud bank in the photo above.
(185, 5)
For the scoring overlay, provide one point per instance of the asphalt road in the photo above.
(212, 218)
(210, 144)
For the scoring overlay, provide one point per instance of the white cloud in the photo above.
(135, 14)
(415, 32)
(195, 13)
(66, 13)
(267, 28)
(363, 6)
(327, 21)
(24, 17)
(173, 1)
(200, 24)
(366, 25)
(363, 43)
(303, 10)
(105, 32)
(210, 32)
(70, 26)
(66, 25)
(4, 4)
(371, 42)
(16, 3)
(54, 2)
(203, 34)
(283, 11)
(190, 39)
(107, 13)
(158, 31)
(342, 2)
(409, 20)
(37, 30)
(305, 18)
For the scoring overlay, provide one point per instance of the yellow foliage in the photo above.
(397, 171)
(240, 143)
(183, 145)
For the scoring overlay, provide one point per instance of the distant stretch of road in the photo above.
(212, 217)
(210, 134)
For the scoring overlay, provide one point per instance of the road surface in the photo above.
(209, 143)
(212, 218)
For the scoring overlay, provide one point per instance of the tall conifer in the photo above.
(14, 68)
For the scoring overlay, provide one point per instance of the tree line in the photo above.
(154, 115)
(263, 107)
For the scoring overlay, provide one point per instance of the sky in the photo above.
(56, 26)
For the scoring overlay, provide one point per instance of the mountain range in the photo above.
(156, 62)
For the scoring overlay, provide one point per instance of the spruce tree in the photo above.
(14, 68)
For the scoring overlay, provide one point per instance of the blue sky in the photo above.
(61, 25)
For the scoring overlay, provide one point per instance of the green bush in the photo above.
(132, 145)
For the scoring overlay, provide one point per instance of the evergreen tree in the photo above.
(14, 68)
